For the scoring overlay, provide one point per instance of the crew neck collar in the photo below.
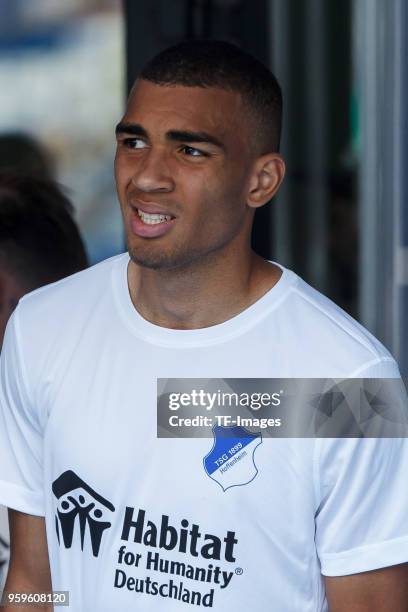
(220, 332)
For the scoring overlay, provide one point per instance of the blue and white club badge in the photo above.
(231, 460)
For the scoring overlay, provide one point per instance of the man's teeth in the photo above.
(152, 219)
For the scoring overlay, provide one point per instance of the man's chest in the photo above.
(133, 506)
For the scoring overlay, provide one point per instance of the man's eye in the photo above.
(192, 152)
(134, 143)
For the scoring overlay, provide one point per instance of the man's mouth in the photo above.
(153, 218)
(152, 224)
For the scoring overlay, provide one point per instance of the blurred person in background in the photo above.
(22, 154)
(39, 240)
(39, 243)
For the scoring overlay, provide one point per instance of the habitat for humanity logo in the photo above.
(79, 504)
(231, 460)
(157, 556)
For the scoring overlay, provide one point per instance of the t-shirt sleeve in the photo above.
(21, 438)
(362, 488)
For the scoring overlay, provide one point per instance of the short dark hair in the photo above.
(217, 63)
(39, 240)
(21, 153)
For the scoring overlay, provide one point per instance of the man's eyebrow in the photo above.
(193, 137)
(130, 128)
(135, 129)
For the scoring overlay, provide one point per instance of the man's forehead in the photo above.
(201, 107)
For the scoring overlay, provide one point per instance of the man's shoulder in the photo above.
(326, 332)
(50, 322)
(55, 312)
(72, 290)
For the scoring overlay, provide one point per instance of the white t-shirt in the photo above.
(134, 522)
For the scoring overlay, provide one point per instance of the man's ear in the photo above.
(267, 176)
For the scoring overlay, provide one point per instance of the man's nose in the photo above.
(152, 173)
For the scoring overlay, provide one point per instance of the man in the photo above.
(131, 521)
(39, 244)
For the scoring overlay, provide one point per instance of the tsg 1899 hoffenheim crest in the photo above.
(231, 460)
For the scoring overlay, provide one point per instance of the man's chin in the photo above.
(163, 261)
(154, 261)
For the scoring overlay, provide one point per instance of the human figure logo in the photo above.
(79, 505)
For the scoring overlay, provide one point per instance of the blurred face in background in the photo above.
(10, 293)
(182, 169)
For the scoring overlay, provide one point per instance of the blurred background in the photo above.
(62, 68)
(341, 219)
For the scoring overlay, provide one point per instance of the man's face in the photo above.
(182, 168)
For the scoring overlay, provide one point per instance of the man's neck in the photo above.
(202, 294)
